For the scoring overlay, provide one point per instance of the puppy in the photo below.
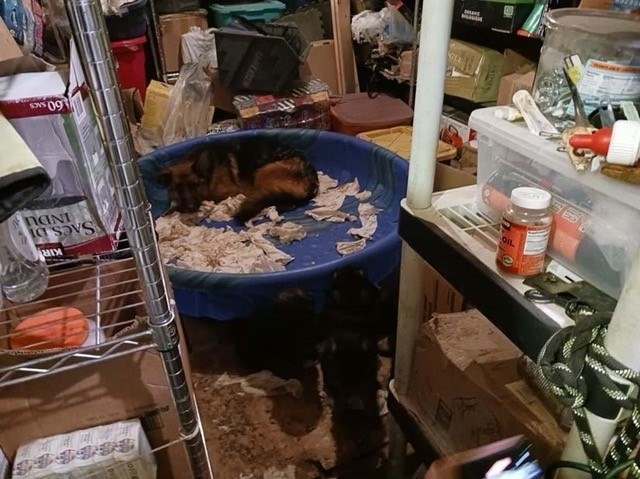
(264, 170)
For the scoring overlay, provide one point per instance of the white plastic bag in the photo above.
(188, 111)
(199, 46)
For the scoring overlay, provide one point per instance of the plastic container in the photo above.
(23, 271)
(266, 11)
(265, 61)
(596, 230)
(357, 113)
(398, 140)
(130, 23)
(600, 38)
(132, 70)
(524, 232)
(176, 6)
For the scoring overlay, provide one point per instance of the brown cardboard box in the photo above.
(8, 46)
(172, 27)
(476, 72)
(439, 296)
(123, 388)
(321, 63)
(448, 177)
(510, 84)
(222, 96)
(465, 388)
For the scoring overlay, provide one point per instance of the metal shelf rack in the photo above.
(127, 291)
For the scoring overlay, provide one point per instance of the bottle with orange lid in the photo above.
(524, 232)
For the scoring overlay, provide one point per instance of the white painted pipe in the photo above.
(433, 49)
(435, 32)
(622, 343)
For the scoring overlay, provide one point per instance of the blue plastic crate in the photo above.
(266, 11)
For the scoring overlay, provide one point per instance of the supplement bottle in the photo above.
(524, 232)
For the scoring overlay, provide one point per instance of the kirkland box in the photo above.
(596, 229)
(52, 112)
(499, 15)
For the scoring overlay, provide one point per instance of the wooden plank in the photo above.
(341, 19)
(8, 46)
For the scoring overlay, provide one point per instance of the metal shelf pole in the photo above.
(90, 34)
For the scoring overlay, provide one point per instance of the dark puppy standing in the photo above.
(267, 172)
(349, 355)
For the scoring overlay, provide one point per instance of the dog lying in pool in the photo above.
(266, 171)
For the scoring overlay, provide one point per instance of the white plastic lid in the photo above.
(624, 148)
(531, 198)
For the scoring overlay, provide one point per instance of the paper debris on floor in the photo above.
(263, 383)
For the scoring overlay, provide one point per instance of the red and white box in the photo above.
(53, 113)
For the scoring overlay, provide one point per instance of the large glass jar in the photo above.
(608, 47)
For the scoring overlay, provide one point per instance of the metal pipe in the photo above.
(621, 342)
(90, 34)
(432, 58)
(433, 48)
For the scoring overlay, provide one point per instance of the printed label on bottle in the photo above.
(522, 248)
(608, 80)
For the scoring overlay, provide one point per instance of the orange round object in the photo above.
(51, 329)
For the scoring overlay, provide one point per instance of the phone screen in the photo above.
(513, 463)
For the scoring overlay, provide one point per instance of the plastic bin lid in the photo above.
(516, 137)
(360, 109)
(598, 22)
(248, 7)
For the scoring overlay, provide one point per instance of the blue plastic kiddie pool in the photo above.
(231, 296)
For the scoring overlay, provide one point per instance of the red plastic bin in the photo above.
(132, 68)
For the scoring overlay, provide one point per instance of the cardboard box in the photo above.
(172, 27)
(439, 296)
(512, 83)
(454, 127)
(8, 46)
(222, 96)
(53, 113)
(466, 388)
(321, 63)
(498, 15)
(475, 72)
(306, 105)
(132, 386)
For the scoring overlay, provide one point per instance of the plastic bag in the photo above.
(397, 29)
(23, 18)
(188, 112)
(199, 45)
(367, 27)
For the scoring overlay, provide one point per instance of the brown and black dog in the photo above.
(267, 172)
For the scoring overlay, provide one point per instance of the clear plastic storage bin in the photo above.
(596, 230)
(605, 43)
